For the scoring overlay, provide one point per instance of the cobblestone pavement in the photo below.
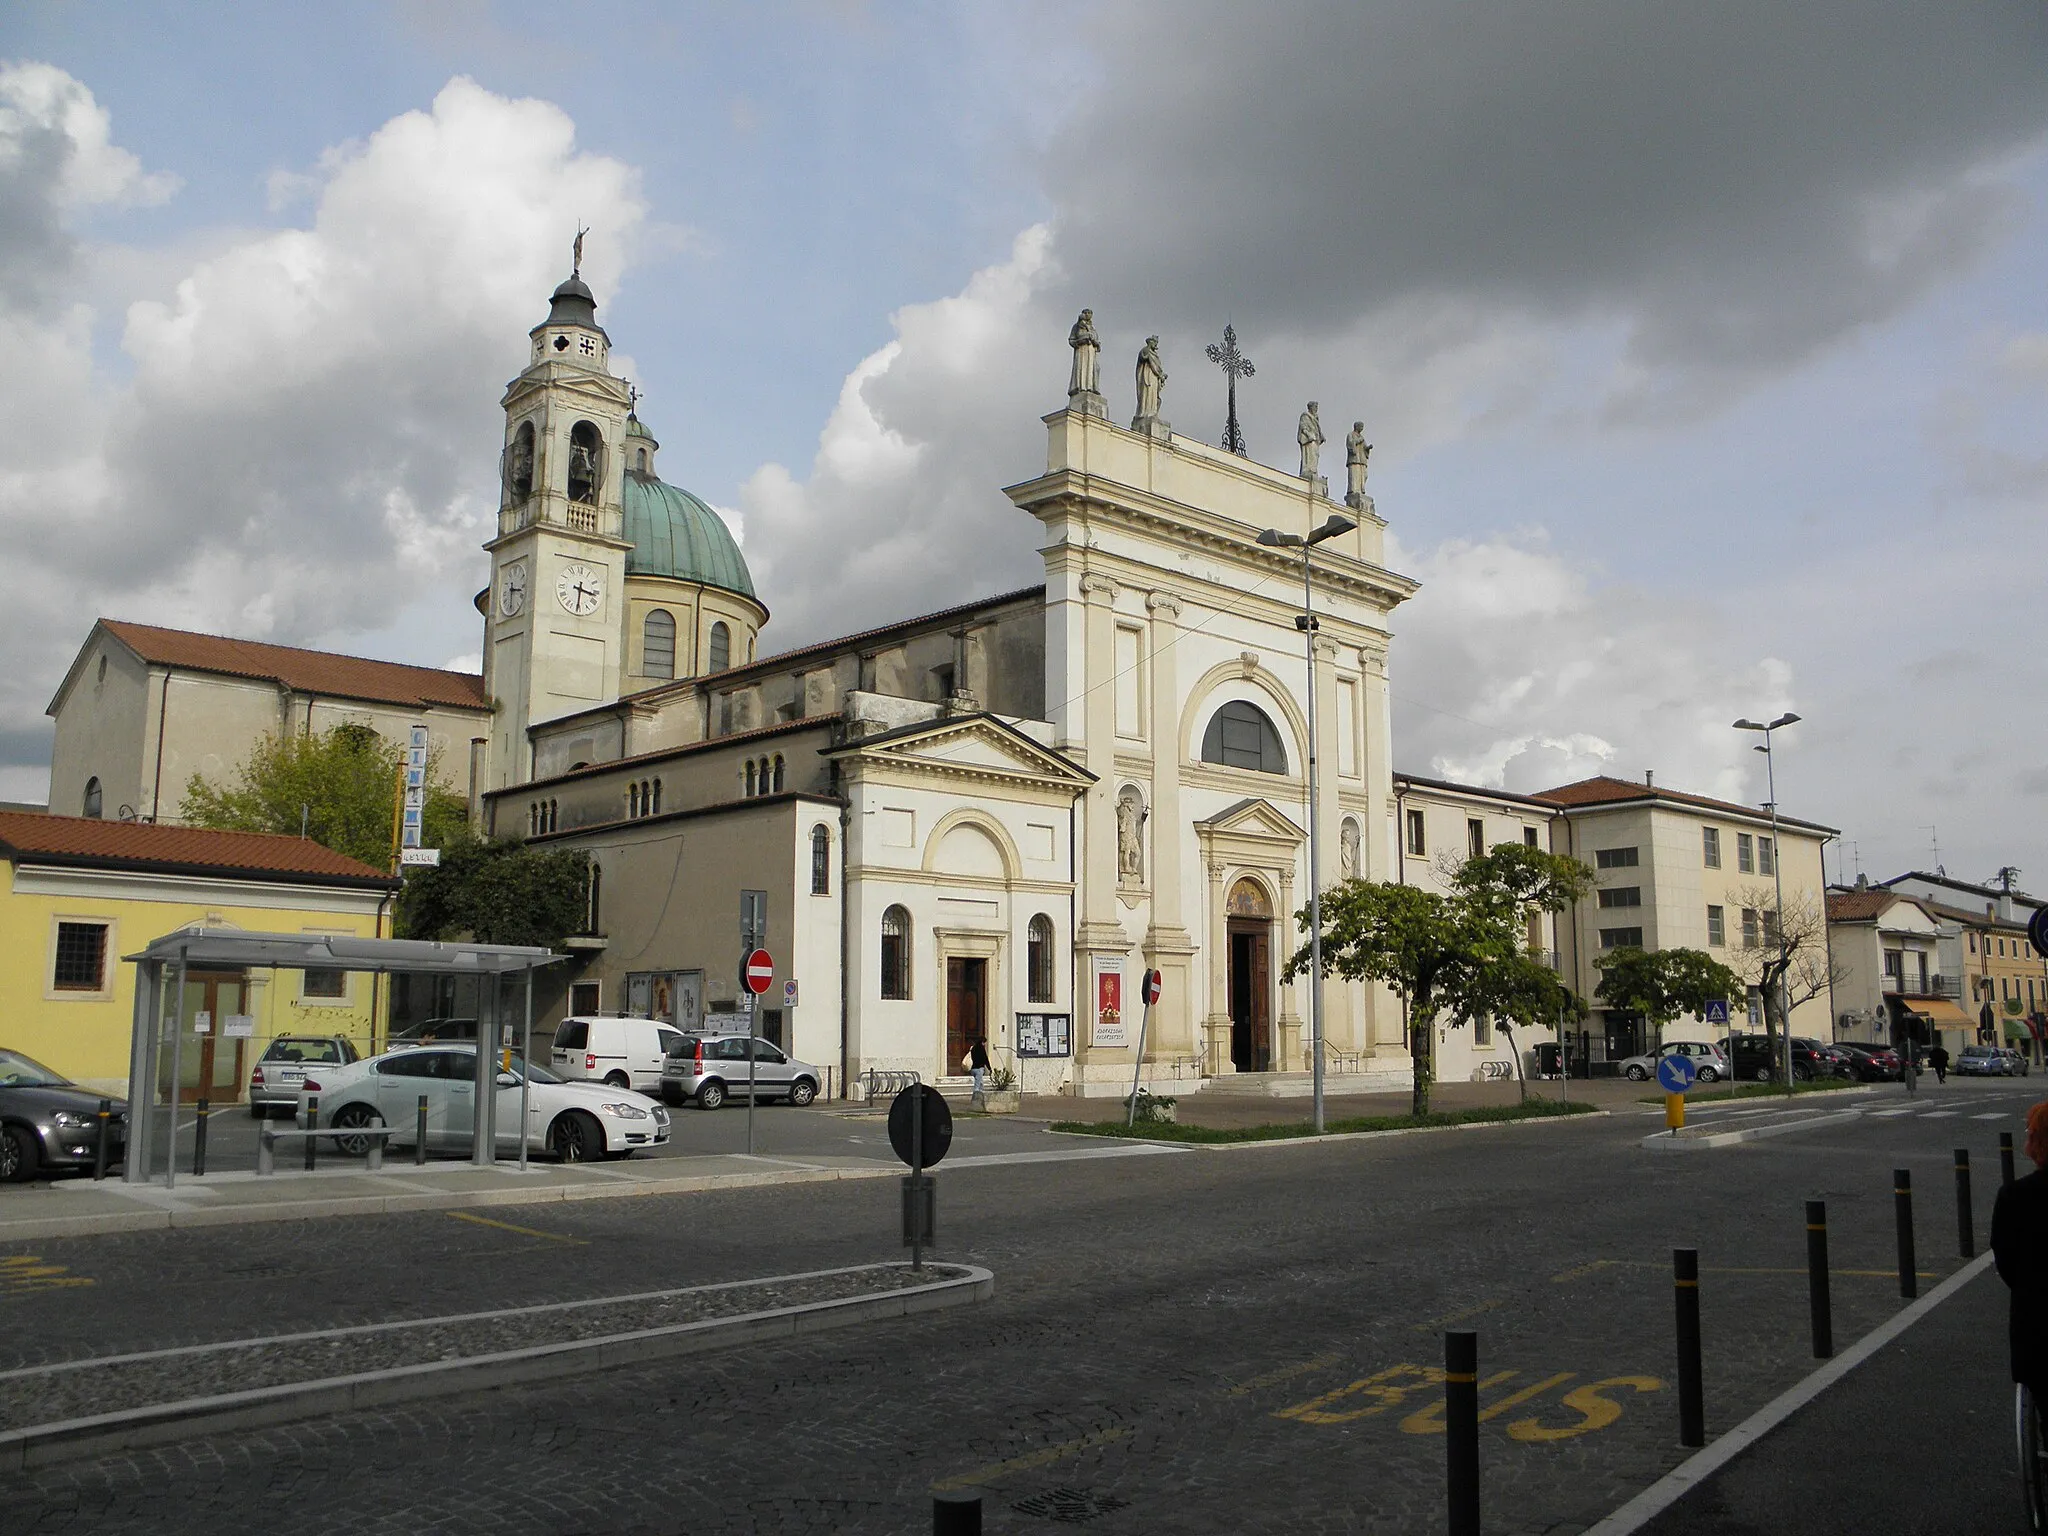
(1207, 1341)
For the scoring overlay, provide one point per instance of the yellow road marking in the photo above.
(1285, 1373)
(27, 1272)
(1456, 1317)
(1025, 1463)
(506, 1226)
(1594, 1410)
(1382, 1390)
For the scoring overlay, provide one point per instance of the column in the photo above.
(1290, 1035)
(1168, 949)
(1101, 934)
(1216, 1026)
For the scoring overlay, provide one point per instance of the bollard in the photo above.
(266, 1149)
(2005, 1157)
(1902, 1206)
(956, 1514)
(1461, 1430)
(419, 1146)
(1692, 1406)
(1817, 1279)
(99, 1150)
(1966, 1226)
(199, 1140)
(312, 1124)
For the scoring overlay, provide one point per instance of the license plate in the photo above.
(295, 1077)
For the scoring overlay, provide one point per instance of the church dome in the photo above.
(674, 534)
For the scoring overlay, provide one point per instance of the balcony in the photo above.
(1924, 986)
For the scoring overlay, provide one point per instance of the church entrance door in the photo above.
(1251, 1016)
(966, 1011)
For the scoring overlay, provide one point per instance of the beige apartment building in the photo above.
(1900, 970)
(2005, 978)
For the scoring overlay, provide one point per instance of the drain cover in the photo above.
(1069, 1506)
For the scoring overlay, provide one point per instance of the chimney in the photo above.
(1862, 881)
(1650, 778)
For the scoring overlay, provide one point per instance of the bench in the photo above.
(268, 1138)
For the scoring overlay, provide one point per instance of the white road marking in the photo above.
(1885, 1114)
(1996, 1114)
(1940, 1114)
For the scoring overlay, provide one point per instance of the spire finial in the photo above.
(576, 252)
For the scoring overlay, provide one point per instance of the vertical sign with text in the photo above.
(1109, 1029)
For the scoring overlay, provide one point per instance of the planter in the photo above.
(1003, 1101)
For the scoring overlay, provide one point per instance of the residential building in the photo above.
(81, 892)
(1900, 969)
(1679, 870)
(2006, 978)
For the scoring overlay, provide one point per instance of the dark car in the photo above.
(1874, 1063)
(48, 1122)
(1759, 1057)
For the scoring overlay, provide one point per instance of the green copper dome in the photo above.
(675, 534)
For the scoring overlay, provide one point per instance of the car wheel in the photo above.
(576, 1138)
(619, 1080)
(18, 1154)
(355, 1117)
(1709, 1075)
(711, 1095)
(671, 1096)
(1763, 1074)
(802, 1091)
(1636, 1075)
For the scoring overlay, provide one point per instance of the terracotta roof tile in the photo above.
(348, 677)
(26, 836)
(1858, 906)
(1603, 790)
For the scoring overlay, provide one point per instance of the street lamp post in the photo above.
(1777, 878)
(1273, 538)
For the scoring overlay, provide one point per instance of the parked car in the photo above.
(627, 1053)
(1982, 1061)
(1756, 1058)
(48, 1122)
(707, 1069)
(1840, 1064)
(2016, 1063)
(1874, 1063)
(574, 1121)
(431, 1032)
(1709, 1063)
(274, 1080)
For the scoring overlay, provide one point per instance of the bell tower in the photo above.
(553, 631)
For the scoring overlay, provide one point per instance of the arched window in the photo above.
(657, 797)
(551, 815)
(643, 461)
(533, 819)
(1038, 959)
(658, 644)
(596, 922)
(633, 800)
(721, 647)
(750, 778)
(1241, 736)
(519, 464)
(821, 861)
(586, 462)
(778, 773)
(92, 798)
(896, 954)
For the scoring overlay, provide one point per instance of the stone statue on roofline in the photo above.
(1084, 390)
(1310, 435)
(1151, 386)
(1356, 453)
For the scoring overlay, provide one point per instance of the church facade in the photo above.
(987, 821)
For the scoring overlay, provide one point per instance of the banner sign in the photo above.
(1109, 1029)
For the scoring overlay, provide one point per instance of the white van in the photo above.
(627, 1053)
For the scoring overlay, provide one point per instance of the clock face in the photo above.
(579, 589)
(512, 590)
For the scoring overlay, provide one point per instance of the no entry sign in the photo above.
(1151, 988)
(757, 971)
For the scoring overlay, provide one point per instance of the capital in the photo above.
(1164, 604)
(1102, 588)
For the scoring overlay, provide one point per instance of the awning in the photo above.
(1942, 1013)
(2018, 1029)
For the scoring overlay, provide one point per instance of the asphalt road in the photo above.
(1196, 1341)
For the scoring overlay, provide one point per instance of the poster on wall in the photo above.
(639, 995)
(1030, 1034)
(1109, 1005)
(689, 996)
(1045, 1034)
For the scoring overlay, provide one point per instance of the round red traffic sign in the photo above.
(1151, 989)
(757, 972)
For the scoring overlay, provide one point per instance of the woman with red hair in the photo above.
(2019, 1241)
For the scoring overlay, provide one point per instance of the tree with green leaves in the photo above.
(339, 788)
(1663, 985)
(502, 892)
(1464, 954)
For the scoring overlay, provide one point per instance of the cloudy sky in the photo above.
(1704, 349)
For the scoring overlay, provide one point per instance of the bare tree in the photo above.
(1786, 959)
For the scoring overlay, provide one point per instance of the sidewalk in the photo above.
(1228, 1111)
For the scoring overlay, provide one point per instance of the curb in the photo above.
(42, 1445)
(381, 1205)
(1701, 1465)
(1328, 1139)
(1661, 1141)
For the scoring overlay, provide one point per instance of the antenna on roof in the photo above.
(1934, 843)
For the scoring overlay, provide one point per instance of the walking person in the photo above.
(977, 1063)
(1938, 1059)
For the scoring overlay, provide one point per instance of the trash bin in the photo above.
(1547, 1064)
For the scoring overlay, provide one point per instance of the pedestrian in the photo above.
(1938, 1059)
(2019, 1242)
(977, 1063)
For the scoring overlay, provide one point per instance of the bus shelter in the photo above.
(158, 1038)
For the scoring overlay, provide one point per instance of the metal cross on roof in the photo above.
(1236, 365)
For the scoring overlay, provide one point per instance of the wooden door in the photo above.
(1250, 991)
(210, 1066)
(966, 1015)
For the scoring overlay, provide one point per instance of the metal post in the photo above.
(1144, 1028)
(1692, 1405)
(525, 1071)
(99, 1150)
(916, 1175)
(199, 1141)
(753, 1033)
(419, 1149)
(1315, 875)
(1966, 1226)
(1902, 1207)
(2005, 1157)
(1778, 885)
(1819, 1301)
(1461, 1431)
(312, 1124)
(956, 1514)
(266, 1150)
(177, 1067)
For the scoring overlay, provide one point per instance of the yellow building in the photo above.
(76, 894)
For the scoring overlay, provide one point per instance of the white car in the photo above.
(625, 1052)
(1707, 1058)
(574, 1121)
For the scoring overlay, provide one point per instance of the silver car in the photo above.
(274, 1080)
(1710, 1064)
(707, 1069)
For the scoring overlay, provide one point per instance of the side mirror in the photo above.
(508, 1080)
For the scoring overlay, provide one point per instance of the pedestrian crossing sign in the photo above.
(1717, 1011)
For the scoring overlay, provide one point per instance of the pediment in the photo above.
(1253, 818)
(975, 744)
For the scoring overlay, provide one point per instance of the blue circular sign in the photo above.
(1676, 1073)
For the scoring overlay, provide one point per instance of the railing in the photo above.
(1547, 958)
(1924, 986)
(582, 519)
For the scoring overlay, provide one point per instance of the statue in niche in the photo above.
(1151, 382)
(1087, 357)
(582, 472)
(1310, 435)
(519, 465)
(1356, 452)
(1130, 838)
(1347, 851)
